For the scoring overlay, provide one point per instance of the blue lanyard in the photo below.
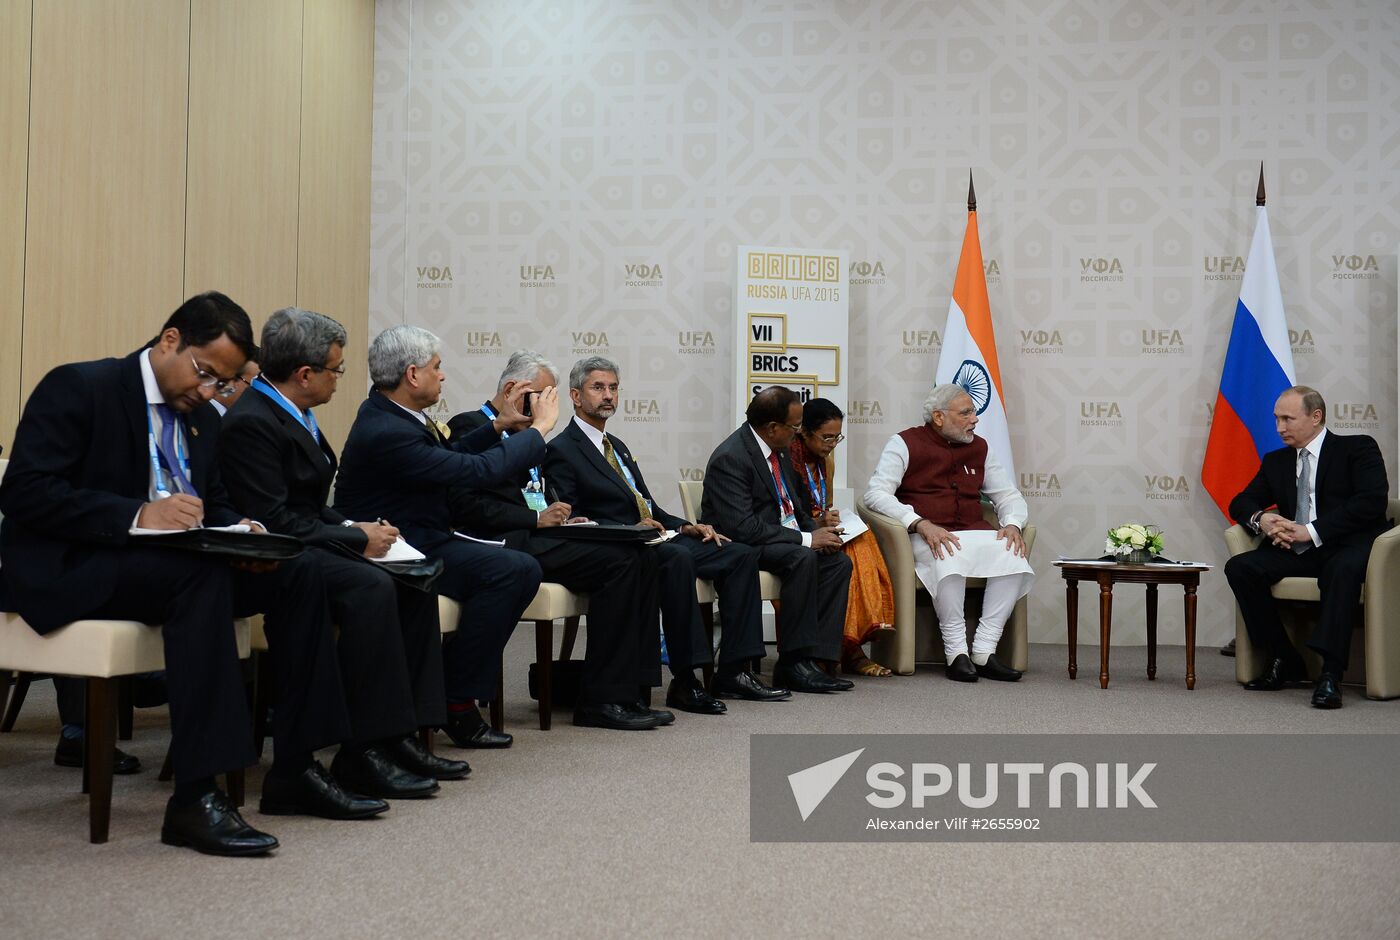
(818, 495)
(181, 458)
(305, 418)
(490, 413)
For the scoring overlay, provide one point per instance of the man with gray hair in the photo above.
(594, 472)
(623, 653)
(932, 478)
(279, 466)
(399, 464)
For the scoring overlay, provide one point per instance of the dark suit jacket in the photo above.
(397, 468)
(1350, 491)
(583, 478)
(741, 499)
(491, 510)
(278, 473)
(79, 474)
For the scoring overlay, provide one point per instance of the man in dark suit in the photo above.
(753, 495)
(279, 466)
(623, 652)
(593, 471)
(1319, 502)
(399, 464)
(109, 446)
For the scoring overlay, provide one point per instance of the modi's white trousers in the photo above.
(981, 555)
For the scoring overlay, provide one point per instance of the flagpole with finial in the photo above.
(971, 194)
(1259, 196)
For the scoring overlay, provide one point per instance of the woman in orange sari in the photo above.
(870, 607)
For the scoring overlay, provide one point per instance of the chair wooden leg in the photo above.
(566, 648)
(498, 704)
(544, 664)
(235, 781)
(6, 677)
(125, 710)
(22, 681)
(100, 736)
(167, 768)
(425, 737)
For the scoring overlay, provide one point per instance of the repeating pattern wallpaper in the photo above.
(574, 176)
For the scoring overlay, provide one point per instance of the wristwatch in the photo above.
(913, 526)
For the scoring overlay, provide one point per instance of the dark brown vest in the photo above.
(943, 481)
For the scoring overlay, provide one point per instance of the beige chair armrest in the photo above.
(896, 652)
(692, 492)
(1382, 594)
(1238, 540)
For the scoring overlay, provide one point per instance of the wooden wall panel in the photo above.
(14, 155)
(333, 223)
(245, 116)
(104, 246)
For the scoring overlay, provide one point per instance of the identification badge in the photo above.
(790, 521)
(535, 499)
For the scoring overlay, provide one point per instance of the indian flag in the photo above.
(969, 355)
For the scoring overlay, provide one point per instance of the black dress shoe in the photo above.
(689, 697)
(71, 752)
(1278, 674)
(371, 771)
(314, 792)
(748, 686)
(614, 716)
(804, 675)
(661, 716)
(1228, 649)
(212, 825)
(410, 754)
(961, 669)
(1328, 692)
(994, 668)
(469, 729)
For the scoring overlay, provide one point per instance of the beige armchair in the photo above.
(1376, 661)
(898, 651)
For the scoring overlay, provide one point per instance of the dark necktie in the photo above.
(168, 421)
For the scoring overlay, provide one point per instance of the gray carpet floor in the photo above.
(588, 833)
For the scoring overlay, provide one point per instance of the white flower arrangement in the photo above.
(1134, 537)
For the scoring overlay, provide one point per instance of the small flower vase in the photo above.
(1138, 556)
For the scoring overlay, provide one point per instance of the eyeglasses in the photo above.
(209, 380)
(598, 388)
(338, 371)
(795, 428)
(832, 439)
(231, 387)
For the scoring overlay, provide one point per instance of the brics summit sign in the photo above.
(792, 317)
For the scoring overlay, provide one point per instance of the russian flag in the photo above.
(1258, 367)
(969, 353)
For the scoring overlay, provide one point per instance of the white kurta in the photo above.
(982, 554)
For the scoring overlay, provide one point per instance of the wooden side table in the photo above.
(1108, 574)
